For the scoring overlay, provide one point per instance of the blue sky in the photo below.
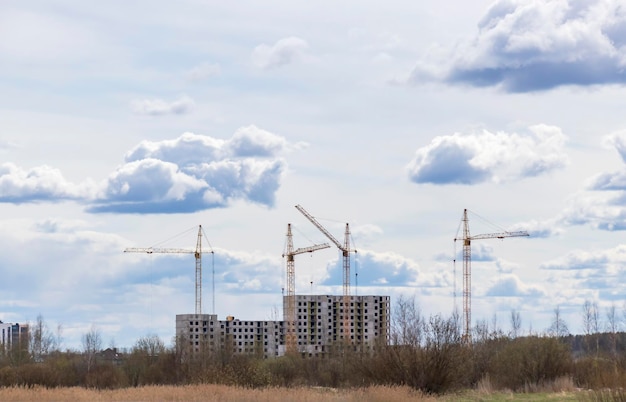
(125, 124)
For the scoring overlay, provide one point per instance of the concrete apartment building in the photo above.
(319, 327)
(204, 332)
(320, 322)
(12, 335)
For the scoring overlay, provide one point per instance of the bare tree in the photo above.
(612, 326)
(591, 323)
(92, 343)
(58, 337)
(481, 331)
(558, 327)
(496, 332)
(42, 341)
(407, 322)
(150, 345)
(591, 317)
(516, 323)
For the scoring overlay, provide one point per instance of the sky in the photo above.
(129, 124)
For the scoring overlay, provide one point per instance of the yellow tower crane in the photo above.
(467, 268)
(198, 257)
(345, 249)
(290, 339)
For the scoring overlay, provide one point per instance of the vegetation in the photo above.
(426, 356)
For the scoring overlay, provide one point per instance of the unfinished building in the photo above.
(319, 326)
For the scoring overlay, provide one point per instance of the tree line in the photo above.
(427, 353)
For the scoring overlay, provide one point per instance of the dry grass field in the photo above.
(210, 393)
(214, 393)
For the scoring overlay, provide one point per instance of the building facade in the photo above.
(320, 327)
(13, 335)
(205, 333)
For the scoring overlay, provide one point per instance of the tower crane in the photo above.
(345, 249)
(290, 341)
(467, 267)
(198, 257)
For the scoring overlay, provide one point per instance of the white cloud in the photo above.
(203, 71)
(387, 269)
(189, 148)
(578, 260)
(195, 172)
(159, 107)
(486, 156)
(239, 270)
(590, 273)
(285, 51)
(539, 229)
(601, 202)
(536, 45)
(41, 183)
(510, 285)
(253, 141)
(187, 174)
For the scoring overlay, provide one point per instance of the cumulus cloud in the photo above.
(376, 269)
(480, 251)
(247, 271)
(284, 51)
(385, 269)
(525, 46)
(510, 285)
(581, 259)
(159, 107)
(41, 183)
(486, 156)
(539, 229)
(601, 202)
(597, 270)
(190, 173)
(612, 180)
(195, 172)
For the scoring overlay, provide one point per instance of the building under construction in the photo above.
(312, 324)
(319, 327)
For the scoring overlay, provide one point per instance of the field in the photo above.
(236, 394)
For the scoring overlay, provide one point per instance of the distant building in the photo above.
(204, 332)
(13, 335)
(320, 322)
(319, 327)
(111, 356)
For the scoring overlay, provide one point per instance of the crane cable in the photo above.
(356, 267)
(212, 271)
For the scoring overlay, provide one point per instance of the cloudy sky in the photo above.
(128, 124)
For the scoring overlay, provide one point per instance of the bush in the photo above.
(105, 376)
(530, 361)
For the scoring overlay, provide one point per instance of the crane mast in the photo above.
(467, 268)
(290, 338)
(198, 257)
(345, 249)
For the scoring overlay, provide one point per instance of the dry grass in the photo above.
(560, 389)
(214, 393)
